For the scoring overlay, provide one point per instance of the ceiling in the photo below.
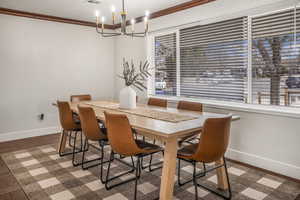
(82, 10)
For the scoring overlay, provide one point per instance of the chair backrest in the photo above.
(81, 97)
(191, 106)
(120, 135)
(65, 115)
(157, 102)
(89, 124)
(214, 139)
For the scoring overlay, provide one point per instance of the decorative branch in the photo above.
(135, 78)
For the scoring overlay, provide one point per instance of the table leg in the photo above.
(169, 168)
(62, 142)
(221, 175)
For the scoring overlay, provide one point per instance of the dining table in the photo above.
(167, 125)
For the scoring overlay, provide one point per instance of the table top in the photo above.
(158, 128)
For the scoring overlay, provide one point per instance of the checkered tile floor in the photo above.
(44, 175)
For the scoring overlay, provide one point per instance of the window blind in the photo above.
(213, 60)
(275, 58)
(165, 64)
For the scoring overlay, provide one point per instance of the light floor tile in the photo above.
(188, 169)
(80, 173)
(95, 185)
(66, 164)
(30, 162)
(117, 196)
(236, 171)
(64, 195)
(201, 193)
(254, 194)
(48, 182)
(92, 157)
(147, 188)
(39, 171)
(47, 150)
(213, 179)
(22, 155)
(54, 157)
(269, 182)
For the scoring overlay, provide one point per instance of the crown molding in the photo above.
(163, 12)
(20, 13)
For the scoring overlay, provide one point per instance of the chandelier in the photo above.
(100, 28)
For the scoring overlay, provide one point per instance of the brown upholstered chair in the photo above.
(92, 132)
(212, 146)
(122, 142)
(81, 97)
(69, 126)
(157, 102)
(190, 106)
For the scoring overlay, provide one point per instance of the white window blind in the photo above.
(275, 58)
(165, 64)
(213, 60)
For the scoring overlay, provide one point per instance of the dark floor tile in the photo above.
(8, 184)
(3, 168)
(16, 195)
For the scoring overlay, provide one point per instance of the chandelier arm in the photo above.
(135, 35)
(107, 34)
(110, 34)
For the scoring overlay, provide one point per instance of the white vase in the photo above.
(127, 98)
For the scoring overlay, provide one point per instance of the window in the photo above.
(247, 59)
(213, 60)
(165, 64)
(275, 59)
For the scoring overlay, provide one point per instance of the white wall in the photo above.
(266, 141)
(41, 62)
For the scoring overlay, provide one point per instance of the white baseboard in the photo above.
(265, 163)
(4, 137)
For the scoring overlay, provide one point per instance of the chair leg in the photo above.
(137, 176)
(108, 179)
(195, 181)
(74, 147)
(61, 143)
(225, 196)
(100, 159)
(200, 174)
(227, 178)
(102, 163)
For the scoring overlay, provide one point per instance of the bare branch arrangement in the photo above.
(136, 78)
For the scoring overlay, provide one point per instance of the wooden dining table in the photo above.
(165, 131)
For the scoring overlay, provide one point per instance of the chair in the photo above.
(190, 106)
(160, 103)
(212, 146)
(69, 125)
(92, 132)
(81, 97)
(157, 102)
(121, 139)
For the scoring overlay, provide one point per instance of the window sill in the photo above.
(253, 108)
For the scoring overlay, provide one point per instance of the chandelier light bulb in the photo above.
(102, 19)
(97, 13)
(145, 19)
(147, 13)
(132, 21)
(113, 8)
